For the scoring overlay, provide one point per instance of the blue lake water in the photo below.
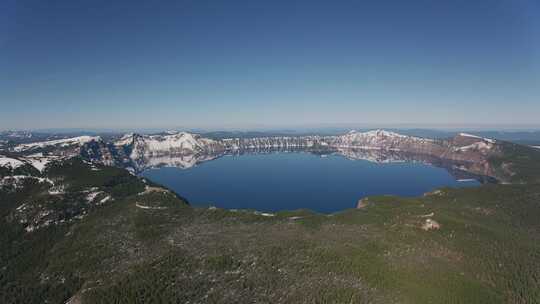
(289, 181)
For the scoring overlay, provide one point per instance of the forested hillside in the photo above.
(146, 245)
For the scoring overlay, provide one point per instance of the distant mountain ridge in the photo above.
(138, 152)
(460, 148)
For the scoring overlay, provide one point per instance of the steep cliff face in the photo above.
(285, 142)
(170, 144)
(476, 152)
(378, 139)
(461, 147)
(469, 152)
(180, 148)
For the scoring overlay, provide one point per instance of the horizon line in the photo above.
(289, 128)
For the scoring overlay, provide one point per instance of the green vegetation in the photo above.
(147, 245)
(25, 169)
(79, 175)
(518, 164)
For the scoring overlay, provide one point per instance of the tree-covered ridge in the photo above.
(38, 209)
(518, 163)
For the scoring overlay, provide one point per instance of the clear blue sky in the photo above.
(240, 64)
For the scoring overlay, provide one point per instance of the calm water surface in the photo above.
(288, 181)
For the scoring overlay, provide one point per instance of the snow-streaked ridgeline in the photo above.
(74, 141)
(184, 150)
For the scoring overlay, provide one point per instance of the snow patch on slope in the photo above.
(469, 135)
(489, 140)
(40, 162)
(10, 162)
(374, 139)
(380, 133)
(476, 146)
(127, 139)
(183, 141)
(80, 140)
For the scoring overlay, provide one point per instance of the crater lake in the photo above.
(289, 181)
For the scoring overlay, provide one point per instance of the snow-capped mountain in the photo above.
(378, 139)
(169, 144)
